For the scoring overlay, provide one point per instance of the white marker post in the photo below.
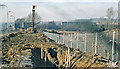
(96, 45)
(71, 40)
(113, 47)
(85, 44)
(45, 55)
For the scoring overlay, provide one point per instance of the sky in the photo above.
(59, 0)
(59, 10)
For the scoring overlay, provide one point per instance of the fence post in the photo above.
(71, 40)
(96, 45)
(113, 51)
(93, 50)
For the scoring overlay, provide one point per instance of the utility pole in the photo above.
(113, 47)
(96, 45)
(85, 44)
(33, 16)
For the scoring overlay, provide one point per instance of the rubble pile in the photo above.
(37, 50)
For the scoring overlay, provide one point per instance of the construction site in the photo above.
(37, 50)
(32, 45)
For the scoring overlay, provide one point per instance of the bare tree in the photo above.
(110, 15)
(101, 20)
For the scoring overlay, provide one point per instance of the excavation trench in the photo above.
(37, 50)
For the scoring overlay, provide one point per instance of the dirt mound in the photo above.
(37, 50)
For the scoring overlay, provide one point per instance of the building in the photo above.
(79, 25)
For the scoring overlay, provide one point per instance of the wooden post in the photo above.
(93, 47)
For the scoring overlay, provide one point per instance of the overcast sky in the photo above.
(59, 0)
(60, 9)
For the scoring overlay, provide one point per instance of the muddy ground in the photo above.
(37, 50)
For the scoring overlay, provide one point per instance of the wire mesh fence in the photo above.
(101, 43)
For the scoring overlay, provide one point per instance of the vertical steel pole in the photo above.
(71, 41)
(96, 45)
(113, 51)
